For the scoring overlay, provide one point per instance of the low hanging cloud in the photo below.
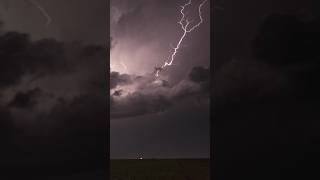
(139, 95)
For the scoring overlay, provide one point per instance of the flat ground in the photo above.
(160, 169)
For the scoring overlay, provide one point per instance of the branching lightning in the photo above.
(184, 23)
(43, 11)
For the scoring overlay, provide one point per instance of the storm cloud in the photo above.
(52, 101)
(140, 95)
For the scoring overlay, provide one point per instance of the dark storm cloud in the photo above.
(20, 56)
(26, 99)
(152, 96)
(52, 102)
(119, 79)
(53, 87)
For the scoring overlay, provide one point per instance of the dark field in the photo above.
(149, 169)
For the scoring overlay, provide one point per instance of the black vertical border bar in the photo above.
(108, 48)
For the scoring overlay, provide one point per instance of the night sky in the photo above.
(53, 105)
(54, 79)
(165, 116)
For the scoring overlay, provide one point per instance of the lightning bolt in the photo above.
(184, 23)
(43, 11)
